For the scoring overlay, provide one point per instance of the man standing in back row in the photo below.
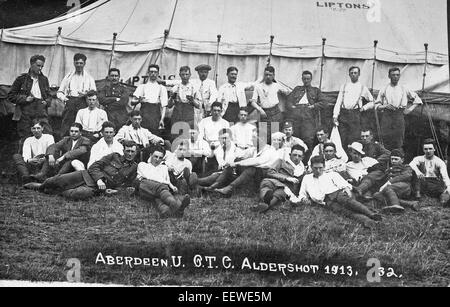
(73, 90)
(302, 106)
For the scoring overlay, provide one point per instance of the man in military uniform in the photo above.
(302, 105)
(30, 93)
(114, 98)
(108, 173)
(374, 149)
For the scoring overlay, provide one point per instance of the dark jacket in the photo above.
(281, 172)
(114, 170)
(64, 147)
(400, 173)
(314, 95)
(378, 152)
(108, 94)
(21, 89)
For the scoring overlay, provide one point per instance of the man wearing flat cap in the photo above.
(205, 91)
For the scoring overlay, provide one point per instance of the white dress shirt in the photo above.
(158, 173)
(243, 134)
(225, 156)
(209, 129)
(359, 170)
(74, 83)
(152, 93)
(177, 165)
(33, 147)
(397, 96)
(233, 93)
(317, 189)
(350, 98)
(268, 94)
(35, 89)
(91, 120)
(101, 149)
(140, 136)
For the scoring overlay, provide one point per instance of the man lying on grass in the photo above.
(154, 185)
(105, 175)
(333, 191)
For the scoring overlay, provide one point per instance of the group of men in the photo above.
(215, 148)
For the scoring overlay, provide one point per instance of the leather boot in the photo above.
(363, 187)
(169, 200)
(163, 209)
(413, 205)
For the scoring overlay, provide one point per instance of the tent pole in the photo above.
(166, 35)
(377, 120)
(216, 61)
(425, 67)
(270, 50)
(321, 73)
(113, 48)
(58, 34)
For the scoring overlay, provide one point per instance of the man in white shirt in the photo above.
(349, 105)
(205, 91)
(333, 163)
(106, 145)
(331, 190)
(141, 136)
(180, 169)
(364, 172)
(244, 135)
(209, 127)
(153, 99)
(91, 118)
(239, 172)
(154, 185)
(431, 172)
(197, 151)
(33, 153)
(72, 91)
(265, 98)
(392, 100)
(232, 95)
(282, 181)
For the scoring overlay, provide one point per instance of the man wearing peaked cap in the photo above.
(290, 140)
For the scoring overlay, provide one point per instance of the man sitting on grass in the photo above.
(432, 176)
(282, 181)
(154, 185)
(105, 175)
(331, 190)
(397, 186)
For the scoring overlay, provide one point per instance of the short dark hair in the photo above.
(77, 125)
(365, 129)
(225, 130)
(329, 144)
(232, 68)
(397, 153)
(36, 58)
(354, 67)
(393, 69)
(128, 143)
(307, 72)
(317, 159)
(37, 121)
(79, 56)
(153, 66)
(298, 147)
(158, 148)
(322, 128)
(429, 141)
(91, 93)
(114, 69)
(216, 104)
(135, 113)
(108, 124)
(185, 68)
(270, 69)
(243, 109)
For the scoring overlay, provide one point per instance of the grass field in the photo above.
(39, 233)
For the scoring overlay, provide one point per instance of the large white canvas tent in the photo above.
(350, 28)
